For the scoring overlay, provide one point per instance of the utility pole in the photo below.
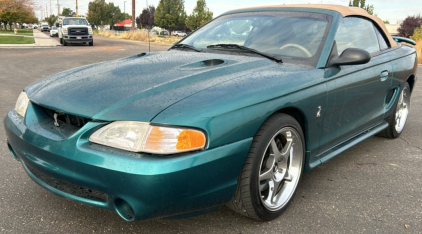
(124, 10)
(58, 8)
(77, 8)
(133, 14)
(51, 12)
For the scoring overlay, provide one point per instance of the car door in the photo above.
(356, 93)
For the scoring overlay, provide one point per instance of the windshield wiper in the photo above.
(186, 46)
(236, 46)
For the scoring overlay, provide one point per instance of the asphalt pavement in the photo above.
(374, 187)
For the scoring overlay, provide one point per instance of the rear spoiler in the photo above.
(404, 39)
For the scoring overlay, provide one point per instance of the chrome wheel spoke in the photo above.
(266, 175)
(288, 176)
(270, 161)
(276, 190)
(263, 187)
(288, 146)
(274, 149)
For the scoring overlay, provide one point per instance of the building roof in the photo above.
(343, 10)
(123, 23)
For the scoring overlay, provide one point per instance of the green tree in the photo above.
(361, 4)
(68, 12)
(13, 11)
(386, 22)
(356, 3)
(126, 15)
(417, 34)
(200, 15)
(51, 20)
(98, 12)
(114, 14)
(170, 14)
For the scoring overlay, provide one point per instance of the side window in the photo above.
(356, 33)
(381, 39)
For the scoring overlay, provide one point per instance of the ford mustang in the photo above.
(232, 114)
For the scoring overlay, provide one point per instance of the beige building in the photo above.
(392, 29)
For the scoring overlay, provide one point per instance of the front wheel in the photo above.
(272, 170)
(91, 43)
(397, 120)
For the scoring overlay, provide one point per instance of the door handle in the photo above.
(384, 75)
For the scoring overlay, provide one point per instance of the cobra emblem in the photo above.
(56, 123)
(319, 112)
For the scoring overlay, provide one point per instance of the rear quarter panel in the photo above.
(404, 64)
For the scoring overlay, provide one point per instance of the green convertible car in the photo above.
(232, 114)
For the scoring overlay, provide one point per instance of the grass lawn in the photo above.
(25, 32)
(16, 40)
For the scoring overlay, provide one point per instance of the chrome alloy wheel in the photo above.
(402, 110)
(281, 168)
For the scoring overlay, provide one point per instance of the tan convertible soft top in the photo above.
(343, 10)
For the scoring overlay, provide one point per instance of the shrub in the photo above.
(417, 36)
(409, 24)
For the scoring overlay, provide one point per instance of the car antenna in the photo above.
(149, 42)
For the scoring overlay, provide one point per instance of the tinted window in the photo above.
(381, 39)
(74, 21)
(356, 33)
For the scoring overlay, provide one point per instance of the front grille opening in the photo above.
(78, 31)
(74, 120)
(69, 188)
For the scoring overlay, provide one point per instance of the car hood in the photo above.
(140, 87)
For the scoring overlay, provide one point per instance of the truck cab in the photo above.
(74, 30)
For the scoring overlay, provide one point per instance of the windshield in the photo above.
(75, 22)
(54, 28)
(290, 35)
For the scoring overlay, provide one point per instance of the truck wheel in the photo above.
(61, 41)
(64, 43)
(91, 43)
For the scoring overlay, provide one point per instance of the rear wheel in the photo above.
(272, 170)
(397, 120)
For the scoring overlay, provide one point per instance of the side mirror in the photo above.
(350, 56)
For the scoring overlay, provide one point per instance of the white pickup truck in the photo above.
(74, 30)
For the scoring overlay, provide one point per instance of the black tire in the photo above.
(91, 43)
(252, 196)
(402, 105)
(61, 41)
(64, 43)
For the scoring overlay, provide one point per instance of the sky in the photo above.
(391, 10)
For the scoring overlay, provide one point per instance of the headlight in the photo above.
(89, 30)
(64, 30)
(22, 104)
(142, 137)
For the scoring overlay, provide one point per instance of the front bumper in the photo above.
(136, 186)
(74, 39)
